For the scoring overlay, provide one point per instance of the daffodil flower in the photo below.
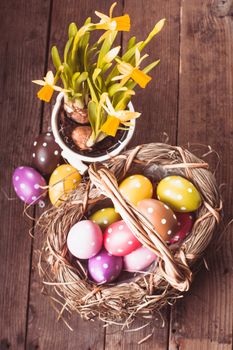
(128, 71)
(46, 93)
(115, 118)
(109, 23)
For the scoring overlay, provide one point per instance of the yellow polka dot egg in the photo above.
(64, 179)
(136, 188)
(179, 193)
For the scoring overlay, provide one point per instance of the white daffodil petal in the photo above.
(49, 79)
(111, 9)
(110, 106)
(39, 82)
(109, 57)
(102, 16)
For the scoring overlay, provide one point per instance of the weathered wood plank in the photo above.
(203, 320)
(43, 330)
(158, 104)
(23, 30)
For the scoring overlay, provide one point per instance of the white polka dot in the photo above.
(131, 177)
(102, 209)
(36, 186)
(168, 192)
(105, 266)
(179, 197)
(22, 197)
(98, 257)
(105, 222)
(42, 159)
(174, 216)
(74, 181)
(169, 232)
(183, 208)
(120, 250)
(21, 167)
(22, 185)
(16, 189)
(33, 155)
(48, 134)
(44, 144)
(190, 217)
(190, 190)
(179, 223)
(93, 243)
(33, 198)
(166, 206)
(110, 252)
(68, 168)
(55, 172)
(130, 242)
(121, 227)
(108, 240)
(163, 221)
(138, 184)
(35, 143)
(151, 190)
(56, 153)
(110, 230)
(178, 182)
(150, 210)
(17, 178)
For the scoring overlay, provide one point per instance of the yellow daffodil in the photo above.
(128, 71)
(46, 92)
(115, 118)
(109, 23)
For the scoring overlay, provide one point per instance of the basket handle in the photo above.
(173, 268)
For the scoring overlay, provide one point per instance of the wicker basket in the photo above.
(141, 294)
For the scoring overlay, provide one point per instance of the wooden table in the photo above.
(190, 99)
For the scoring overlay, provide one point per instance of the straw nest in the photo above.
(140, 294)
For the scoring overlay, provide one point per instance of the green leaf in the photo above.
(115, 88)
(72, 30)
(67, 49)
(106, 46)
(131, 43)
(83, 76)
(92, 91)
(56, 57)
(92, 114)
(74, 78)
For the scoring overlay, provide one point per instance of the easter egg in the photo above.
(28, 184)
(139, 259)
(119, 239)
(185, 223)
(179, 193)
(105, 217)
(63, 180)
(135, 188)
(160, 215)
(46, 154)
(104, 267)
(84, 239)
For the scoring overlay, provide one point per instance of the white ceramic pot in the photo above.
(77, 160)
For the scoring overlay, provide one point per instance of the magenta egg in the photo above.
(84, 239)
(119, 240)
(28, 184)
(139, 259)
(185, 223)
(104, 267)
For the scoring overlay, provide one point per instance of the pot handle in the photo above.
(76, 163)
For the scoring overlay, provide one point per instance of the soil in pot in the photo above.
(66, 127)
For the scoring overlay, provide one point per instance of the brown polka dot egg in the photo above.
(46, 154)
(161, 216)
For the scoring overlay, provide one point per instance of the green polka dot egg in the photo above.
(105, 217)
(179, 193)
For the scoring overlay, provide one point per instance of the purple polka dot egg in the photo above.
(105, 267)
(28, 184)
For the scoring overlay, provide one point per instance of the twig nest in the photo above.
(171, 273)
(80, 135)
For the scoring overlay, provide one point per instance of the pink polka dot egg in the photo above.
(139, 259)
(84, 239)
(104, 267)
(28, 184)
(119, 240)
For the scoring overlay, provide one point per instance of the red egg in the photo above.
(119, 239)
(185, 223)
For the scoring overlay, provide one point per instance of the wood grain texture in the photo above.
(23, 29)
(158, 104)
(203, 319)
(43, 318)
